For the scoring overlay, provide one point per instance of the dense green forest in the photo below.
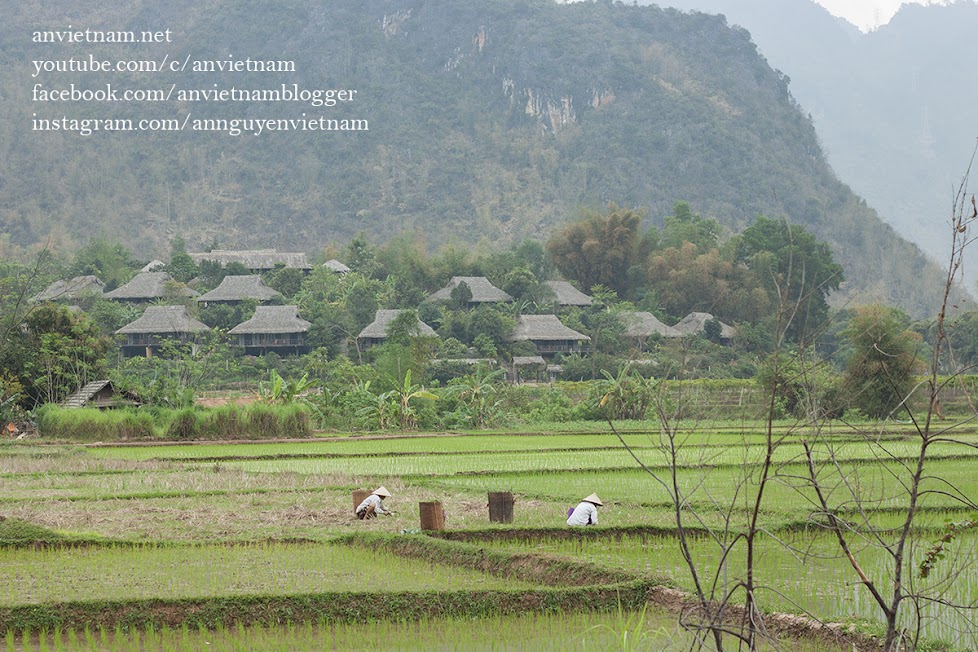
(489, 122)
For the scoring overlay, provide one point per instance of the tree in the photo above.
(460, 296)
(601, 249)
(360, 300)
(111, 262)
(56, 352)
(491, 323)
(361, 256)
(685, 281)
(520, 283)
(287, 280)
(796, 268)
(685, 226)
(182, 267)
(883, 362)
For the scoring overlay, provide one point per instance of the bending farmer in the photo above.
(586, 512)
(373, 504)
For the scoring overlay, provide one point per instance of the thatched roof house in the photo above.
(567, 294)
(147, 286)
(548, 335)
(100, 394)
(376, 331)
(153, 266)
(695, 323)
(145, 335)
(235, 289)
(255, 260)
(642, 325)
(337, 266)
(273, 328)
(73, 289)
(482, 290)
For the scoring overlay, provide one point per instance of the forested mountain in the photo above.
(489, 121)
(894, 108)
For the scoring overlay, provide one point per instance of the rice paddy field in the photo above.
(224, 546)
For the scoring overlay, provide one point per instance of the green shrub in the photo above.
(90, 424)
(185, 425)
(226, 422)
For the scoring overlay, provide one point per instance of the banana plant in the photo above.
(280, 390)
(403, 394)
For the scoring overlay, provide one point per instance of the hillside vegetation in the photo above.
(489, 122)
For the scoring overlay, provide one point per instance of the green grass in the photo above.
(127, 573)
(557, 632)
(800, 572)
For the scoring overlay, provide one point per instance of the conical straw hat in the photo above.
(593, 498)
(382, 492)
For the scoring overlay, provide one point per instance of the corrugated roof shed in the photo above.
(544, 327)
(273, 319)
(567, 294)
(378, 328)
(482, 290)
(109, 396)
(146, 286)
(239, 288)
(164, 320)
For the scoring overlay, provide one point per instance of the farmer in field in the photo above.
(373, 504)
(586, 512)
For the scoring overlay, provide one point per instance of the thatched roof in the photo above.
(695, 322)
(527, 360)
(644, 324)
(146, 286)
(567, 294)
(71, 289)
(337, 266)
(273, 319)
(543, 327)
(153, 265)
(165, 320)
(377, 329)
(255, 259)
(482, 290)
(239, 288)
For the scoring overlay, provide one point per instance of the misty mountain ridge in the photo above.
(893, 107)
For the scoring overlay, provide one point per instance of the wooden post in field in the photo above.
(501, 507)
(432, 516)
(359, 496)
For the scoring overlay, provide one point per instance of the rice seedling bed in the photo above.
(557, 632)
(127, 573)
(787, 493)
(442, 444)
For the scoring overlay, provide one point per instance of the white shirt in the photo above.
(376, 501)
(584, 514)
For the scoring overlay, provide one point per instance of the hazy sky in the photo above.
(863, 13)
